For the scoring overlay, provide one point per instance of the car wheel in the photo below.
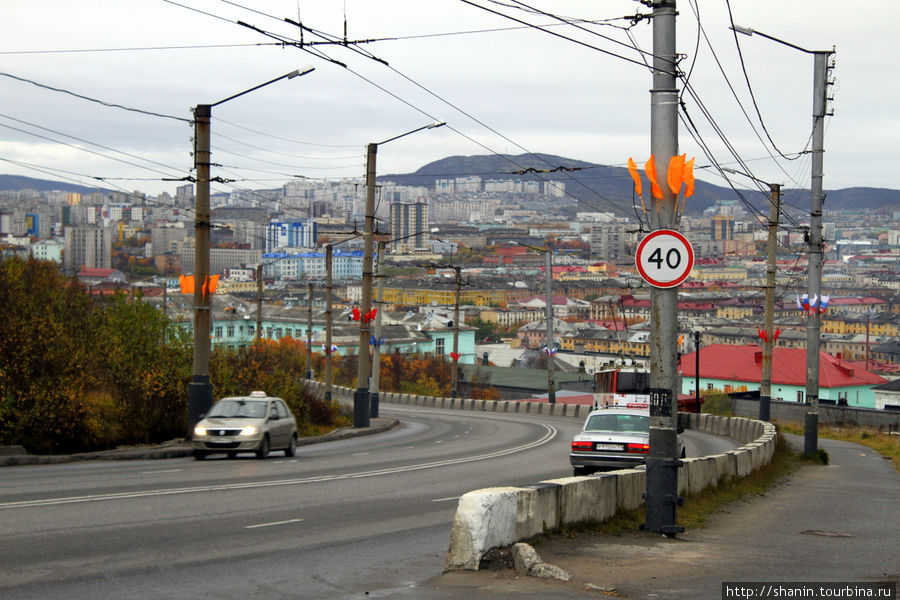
(292, 446)
(263, 450)
(199, 454)
(683, 453)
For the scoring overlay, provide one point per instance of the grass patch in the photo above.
(885, 444)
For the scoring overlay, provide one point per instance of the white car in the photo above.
(256, 423)
(613, 438)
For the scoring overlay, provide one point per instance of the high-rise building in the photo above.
(722, 227)
(297, 234)
(88, 247)
(409, 225)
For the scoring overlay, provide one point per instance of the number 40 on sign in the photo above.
(664, 258)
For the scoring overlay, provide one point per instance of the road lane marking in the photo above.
(446, 499)
(161, 471)
(273, 524)
(550, 433)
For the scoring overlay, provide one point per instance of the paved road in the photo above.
(364, 517)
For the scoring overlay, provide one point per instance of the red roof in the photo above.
(91, 272)
(744, 363)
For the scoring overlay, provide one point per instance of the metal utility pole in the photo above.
(376, 347)
(816, 250)
(309, 321)
(551, 385)
(329, 360)
(765, 383)
(200, 393)
(662, 463)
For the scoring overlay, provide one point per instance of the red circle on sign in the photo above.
(664, 258)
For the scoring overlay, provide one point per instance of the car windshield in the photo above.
(622, 423)
(250, 409)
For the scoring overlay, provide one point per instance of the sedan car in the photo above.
(256, 423)
(613, 438)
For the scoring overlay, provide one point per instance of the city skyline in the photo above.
(533, 90)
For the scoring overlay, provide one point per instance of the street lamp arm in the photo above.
(291, 75)
(749, 32)
(397, 137)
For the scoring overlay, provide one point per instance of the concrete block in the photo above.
(630, 487)
(706, 423)
(726, 466)
(702, 475)
(484, 519)
(591, 498)
(743, 462)
(536, 511)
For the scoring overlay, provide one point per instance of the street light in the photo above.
(375, 380)
(200, 393)
(816, 245)
(765, 381)
(361, 410)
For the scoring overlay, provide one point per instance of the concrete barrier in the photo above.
(486, 519)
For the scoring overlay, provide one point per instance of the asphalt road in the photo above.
(367, 517)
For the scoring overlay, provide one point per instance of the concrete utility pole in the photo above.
(200, 393)
(361, 410)
(454, 376)
(548, 266)
(329, 323)
(309, 321)
(816, 250)
(765, 383)
(376, 347)
(662, 463)
(259, 301)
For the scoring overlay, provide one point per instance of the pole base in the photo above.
(361, 407)
(811, 434)
(765, 408)
(373, 405)
(200, 399)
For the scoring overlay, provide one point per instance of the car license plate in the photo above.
(222, 440)
(602, 446)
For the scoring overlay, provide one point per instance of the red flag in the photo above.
(356, 314)
(676, 173)
(688, 177)
(187, 284)
(455, 356)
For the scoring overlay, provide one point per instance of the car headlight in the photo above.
(249, 430)
(199, 430)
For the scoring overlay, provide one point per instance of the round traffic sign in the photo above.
(664, 258)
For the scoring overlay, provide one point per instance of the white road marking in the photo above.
(446, 499)
(273, 524)
(359, 454)
(549, 433)
(161, 471)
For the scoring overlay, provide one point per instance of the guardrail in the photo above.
(497, 517)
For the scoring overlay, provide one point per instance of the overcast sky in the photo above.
(501, 87)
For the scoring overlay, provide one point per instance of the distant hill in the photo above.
(603, 188)
(18, 182)
(596, 187)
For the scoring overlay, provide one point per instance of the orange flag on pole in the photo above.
(650, 170)
(186, 282)
(688, 177)
(676, 173)
(632, 168)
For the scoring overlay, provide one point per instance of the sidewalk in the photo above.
(14, 455)
(834, 523)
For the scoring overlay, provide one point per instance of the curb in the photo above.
(176, 449)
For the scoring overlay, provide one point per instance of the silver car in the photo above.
(613, 438)
(256, 423)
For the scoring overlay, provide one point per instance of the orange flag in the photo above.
(632, 168)
(676, 173)
(688, 177)
(209, 287)
(186, 282)
(650, 170)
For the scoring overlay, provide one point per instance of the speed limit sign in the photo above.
(664, 258)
